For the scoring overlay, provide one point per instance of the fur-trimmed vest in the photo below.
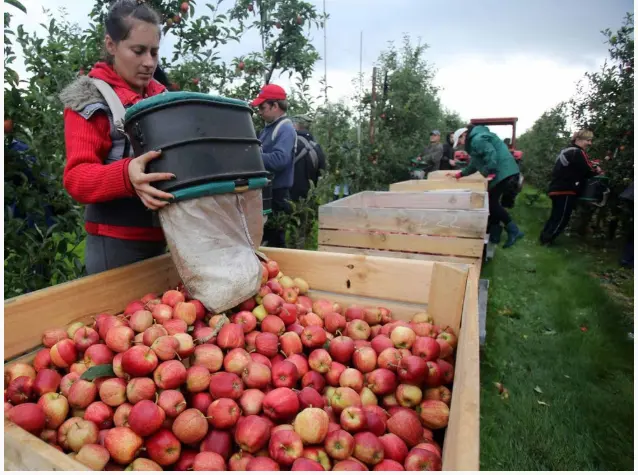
(83, 97)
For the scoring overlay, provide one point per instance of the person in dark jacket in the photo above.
(447, 161)
(569, 178)
(278, 144)
(491, 158)
(309, 159)
(100, 171)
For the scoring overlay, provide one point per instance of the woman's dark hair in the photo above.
(118, 22)
(449, 137)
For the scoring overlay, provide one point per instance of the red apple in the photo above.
(190, 426)
(246, 320)
(165, 347)
(341, 349)
(351, 378)
(433, 376)
(433, 414)
(209, 461)
(186, 459)
(218, 441)
(262, 464)
(312, 425)
(120, 418)
(146, 418)
(344, 397)
(67, 381)
(290, 344)
(365, 359)
(372, 316)
(449, 336)
(320, 361)
(284, 374)
(239, 461)
(358, 330)
(273, 303)
(446, 370)
(285, 447)
(164, 447)
(93, 456)
(420, 459)
(313, 337)
(230, 336)
(306, 465)
(426, 347)
(84, 338)
(318, 454)
(431, 446)
(170, 375)
(223, 413)
(273, 324)
(64, 353)
(393, 447)
(46, 381)
(226, 385)
(440, 393)
(339, 444)
(251, 401)
(112, 391)
(75, 433)
(139, 361)
(199, 401)
(333, 376)
(273, 269)
(256, 376)
(83, 393)
(388, 466)
(368, 448)
(152, 333)
(313, 379)
(267, 344)
(259, 358)
(368, 398)
(42, 360)
(29, 416)
(52, 336)
(172, 403)
(100, 414)
(281, 404)
(301, 363)
(350, 465)
(309, 397)
(375, 422)
(55, 408)
(209, 356)
(381, 381)
(406, 425)
(403, 337)
(252, 433)
(353, 419)
(412, 370)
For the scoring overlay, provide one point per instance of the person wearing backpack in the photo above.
(278, 140)
(100, 171)
(569, 179)
(309, 159)
(490, 157)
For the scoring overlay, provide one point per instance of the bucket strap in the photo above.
(115, 104)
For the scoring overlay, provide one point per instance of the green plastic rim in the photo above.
(218, 188)
(167, 98)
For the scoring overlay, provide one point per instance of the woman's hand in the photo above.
(456, 175)
(141, 181)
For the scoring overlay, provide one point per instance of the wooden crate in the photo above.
(438, 184)
(447, 292)
(444, 226)
(443, 175)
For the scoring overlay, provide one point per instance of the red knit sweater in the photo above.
(88, 142)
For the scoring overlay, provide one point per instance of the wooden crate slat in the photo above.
(447, 199)
(23, 451)
(438, 185)
(443, 175)
(461, 447)
(28, 316)
(402, 242)
(376, 277)
(457, 223)
(403, 255)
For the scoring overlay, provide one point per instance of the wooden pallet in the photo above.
(447, 226)
(449, 294)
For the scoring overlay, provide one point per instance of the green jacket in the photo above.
(489, 156)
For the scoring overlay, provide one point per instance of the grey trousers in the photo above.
(104, 253)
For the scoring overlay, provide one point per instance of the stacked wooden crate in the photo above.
(447, 225)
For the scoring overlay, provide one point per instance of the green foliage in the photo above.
(604, 104)
(541, 145)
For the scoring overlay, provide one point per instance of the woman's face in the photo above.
(136, 57)
(584, 143)
(462, 138)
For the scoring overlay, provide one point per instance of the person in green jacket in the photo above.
(490, 157)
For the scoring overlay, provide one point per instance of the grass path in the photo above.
(557, 341)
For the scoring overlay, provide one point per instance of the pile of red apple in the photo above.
(282, 382)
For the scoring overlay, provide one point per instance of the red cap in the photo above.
(270, 92)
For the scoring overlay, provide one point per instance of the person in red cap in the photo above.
(278, 141)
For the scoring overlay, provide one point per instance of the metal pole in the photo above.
(360, 96)
(373, 103)
(325, 50)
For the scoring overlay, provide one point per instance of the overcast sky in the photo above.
(493, 57)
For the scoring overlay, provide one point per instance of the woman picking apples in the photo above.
(100, 171)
